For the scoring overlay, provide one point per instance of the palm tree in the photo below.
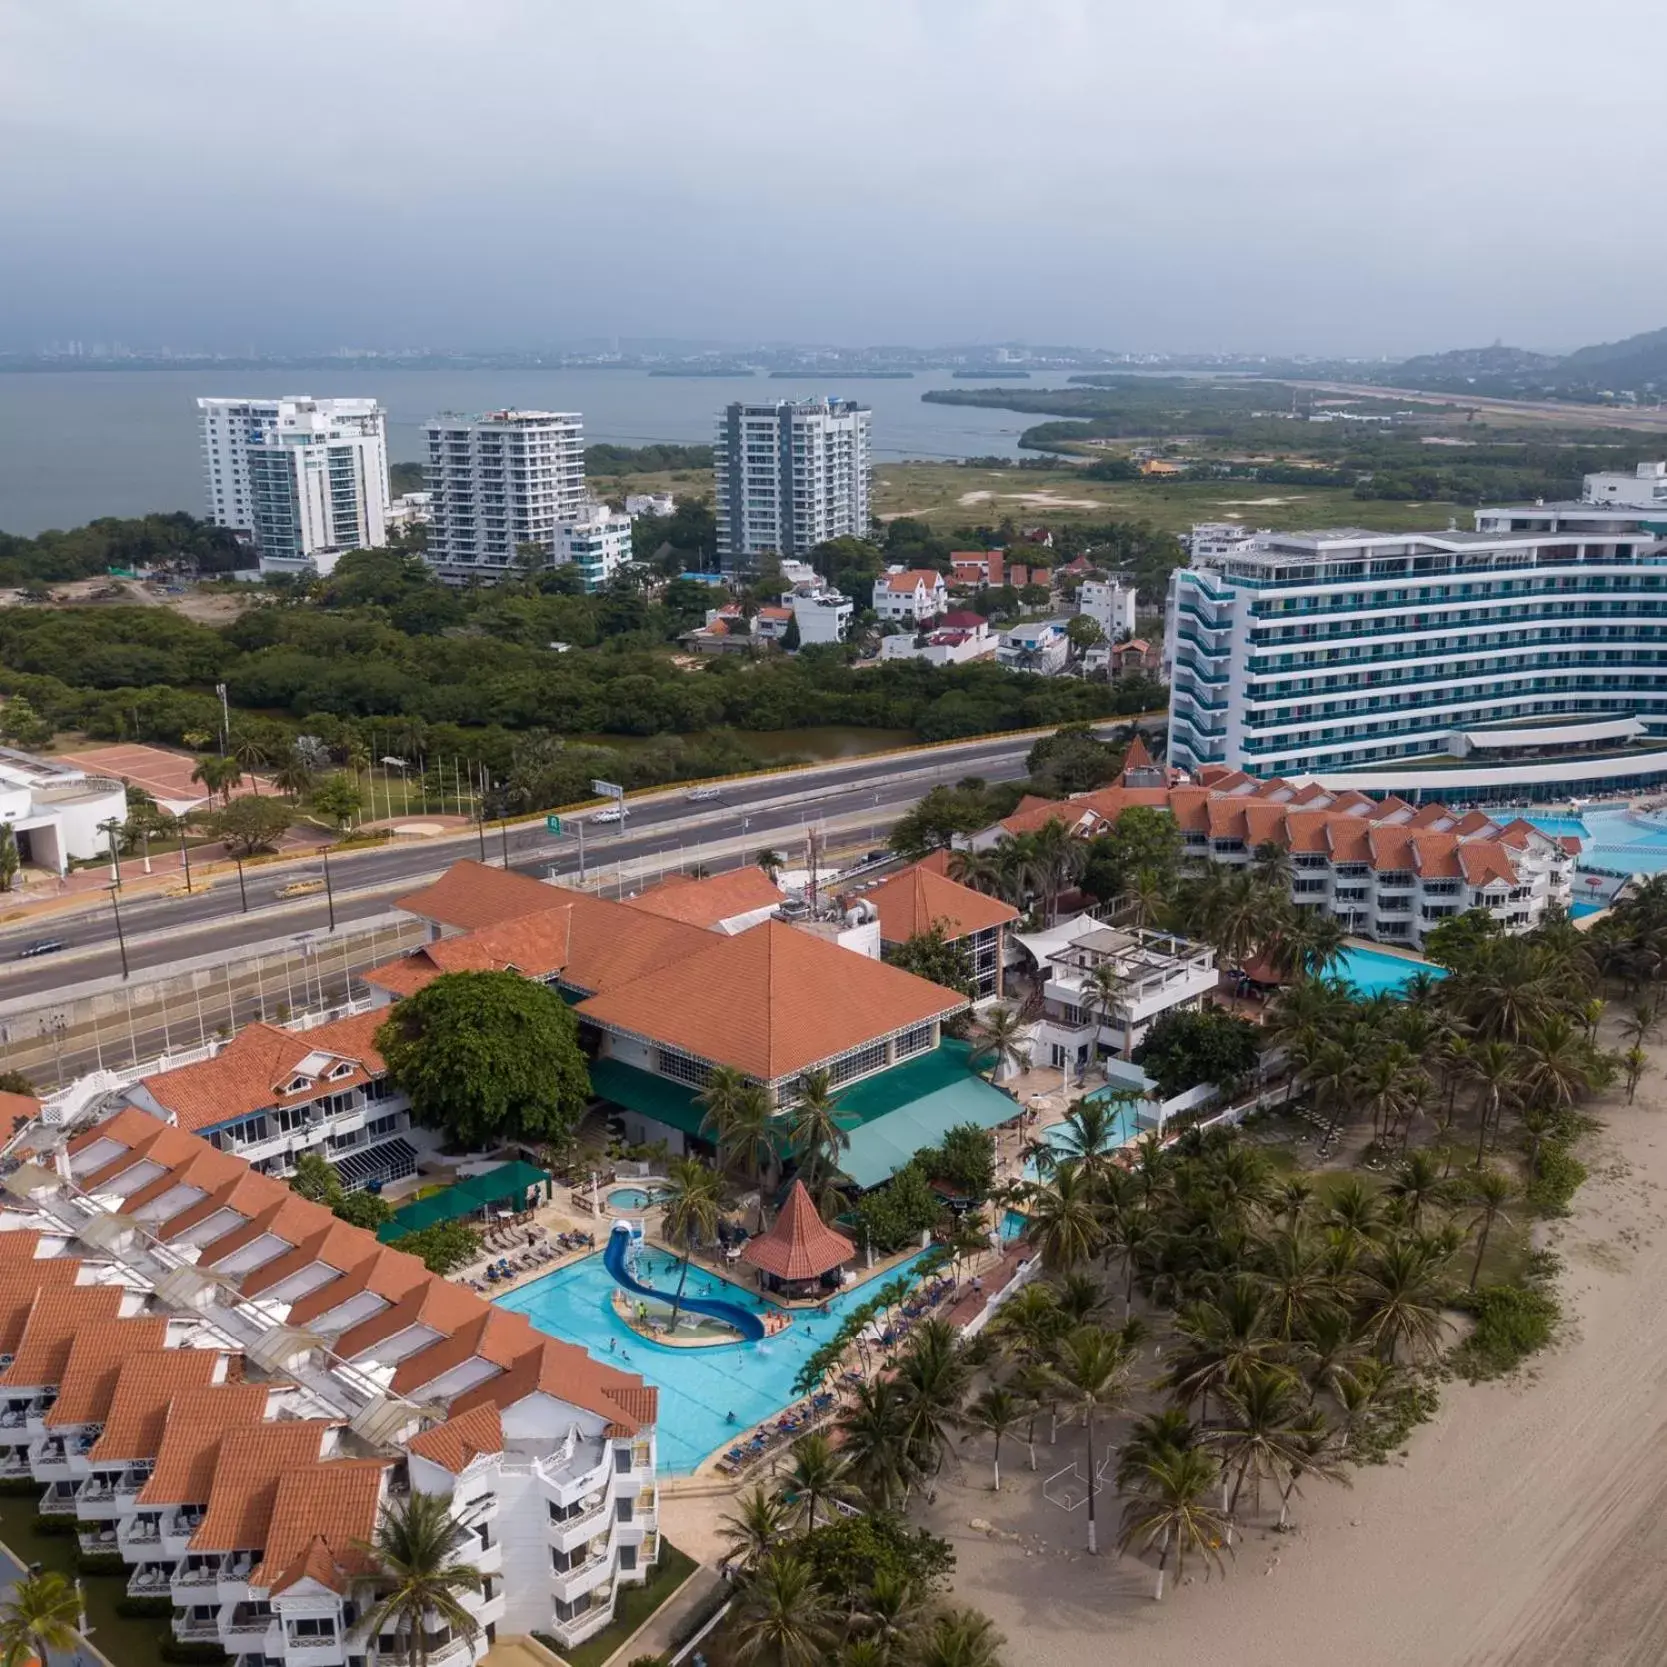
(1634, 1062)
(1258, 1435)
(960, 1638)
(772, 862)
(1003, 1041)
(1172, 1507)
(995, 1413)
(1417, 1184)
(1270, 862)
(1148, 897)
(758, 1523)
(1641, 1023)
(1091, 1365)
(1556, 1063)
(251, 753)
(1494, 1068)
(1059, 858)
(816, 1132)
(888, 1616)
(1064, 1220)
(689, 1215)
(294, 776)
(1401, 1300)
(931, 1379)
(978, 869)
(1103, 988)
(874, 1438)
(42, 1613)
(1220, 1342)
(720, 1097)
(217, 775)
(1490, 1192)
(816, 1475)
(416, 1552)
(1151, 1436)
(1018, 874)
(782, 1617)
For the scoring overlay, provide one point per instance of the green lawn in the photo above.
(935, 492)
(635, 1604)
(127, 1642)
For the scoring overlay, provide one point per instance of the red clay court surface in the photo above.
(163, 774)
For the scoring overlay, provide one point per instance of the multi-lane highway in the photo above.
(161, 931)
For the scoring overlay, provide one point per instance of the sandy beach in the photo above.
(1526, 1525)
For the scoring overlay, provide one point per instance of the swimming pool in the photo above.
(1612, 837)
(635, 1198)
(698, 1387)
(1372, 972)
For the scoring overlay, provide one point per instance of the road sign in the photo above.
(552, 824)
(608, 789)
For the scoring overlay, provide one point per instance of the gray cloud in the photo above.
(1335, 175)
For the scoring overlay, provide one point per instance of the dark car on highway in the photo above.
(41, 946)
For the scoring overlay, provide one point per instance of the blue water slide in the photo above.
(731, 1314)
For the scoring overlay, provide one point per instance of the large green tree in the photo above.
(488, 1057)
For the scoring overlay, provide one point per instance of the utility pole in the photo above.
(329, 890)
(242, 890)
(111, 827)
(121, 939)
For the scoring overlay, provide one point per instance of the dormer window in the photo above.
(297, 1085)
(345, 1069)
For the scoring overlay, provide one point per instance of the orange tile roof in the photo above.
(498, 1336)
(55, 1316)
(1190, 806)
(1225, 819)
(1436, 856)
(927, 576)
(1484, 862)
(1264, 822)
(157, 1143)
(917, 900)
(94, 1362)
(1348, 839)
(799, 1244)
(197, 1421)
(566, 1373)
(1391, 849)
(436, 1304)
(227, 1184)
(145, 1388)
(252, 1461)
(290, 1218)
(15, 1106)
(320, 1517)
(1305, 830)
(1033, 813)
(255, 1070)
(20, 1284)
(381, 1270)
(535, 945)
(771, 1002)
(1136, 757)
(457, 1443)
(707, 902)
(470, 895)
(334, 1244)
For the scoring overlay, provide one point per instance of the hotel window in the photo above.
(859, 1062)
(682, 1067)
(916, 1040)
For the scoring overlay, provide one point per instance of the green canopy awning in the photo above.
(510, 1182)
(672, 1103)
(913, 1106)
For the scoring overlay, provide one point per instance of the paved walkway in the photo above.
(655, 1636)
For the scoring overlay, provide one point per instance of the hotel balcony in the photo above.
(149, 1580)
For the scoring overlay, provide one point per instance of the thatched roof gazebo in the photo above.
(799, 1248)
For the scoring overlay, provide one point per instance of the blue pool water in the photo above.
(1013, 1226)
(1372, 972)
(698, 1387)
(1611, 837)
(1125, 1127)
(1579, 911)
(634, 1198)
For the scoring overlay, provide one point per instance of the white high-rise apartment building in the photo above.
(299, 475)
(1528, 657)
(791, 474)
(497, 481)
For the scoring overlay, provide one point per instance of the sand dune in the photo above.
(1528, 1525)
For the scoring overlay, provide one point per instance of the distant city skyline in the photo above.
(1283, 177)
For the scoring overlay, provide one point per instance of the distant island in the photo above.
(842, 375)
(703, 370)
(992, 375)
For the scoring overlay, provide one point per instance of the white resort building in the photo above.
(1528, 657)
(225, 1385)
(57, 810)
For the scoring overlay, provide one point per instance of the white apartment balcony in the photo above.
(178, 1527)
(233, 1583)
(149, 1580)
(570, 1584)
(586, 1624)
(15, 1462)
(570, 1534)
(315, 1652)
(246, 1629)
(139, 1537)
(97, 1536)
(58, 1501)
(198, 1585)
(197, 1628)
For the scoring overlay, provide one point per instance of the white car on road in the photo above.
(612, 814)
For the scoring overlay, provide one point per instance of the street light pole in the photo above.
(329, 890)
(121, 937)
(242, 890)
(112, 826)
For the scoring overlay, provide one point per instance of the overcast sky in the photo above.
(1372, 176)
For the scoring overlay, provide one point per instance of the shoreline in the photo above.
(1525, 1524)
